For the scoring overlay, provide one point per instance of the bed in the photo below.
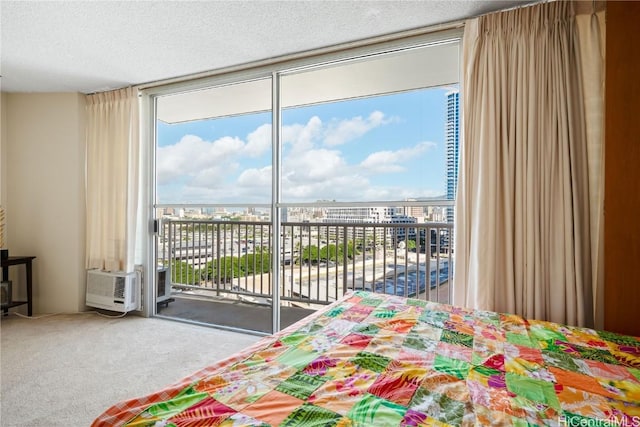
(382, 360)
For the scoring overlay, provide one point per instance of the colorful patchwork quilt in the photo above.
(382, 360)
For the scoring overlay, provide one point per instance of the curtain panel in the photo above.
(590, 22)
(112, 177)
(524, 229)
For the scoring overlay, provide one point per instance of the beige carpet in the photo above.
(65, 370)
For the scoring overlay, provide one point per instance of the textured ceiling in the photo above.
(90, 46)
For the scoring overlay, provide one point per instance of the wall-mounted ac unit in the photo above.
(116, 291)
(163, 285)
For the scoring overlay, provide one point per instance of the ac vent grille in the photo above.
(118, 292)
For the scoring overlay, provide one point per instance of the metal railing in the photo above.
(319, 261)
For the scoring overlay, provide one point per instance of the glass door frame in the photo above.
(273, 69)
(149, 110)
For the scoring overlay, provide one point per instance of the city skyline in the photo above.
(393, 214)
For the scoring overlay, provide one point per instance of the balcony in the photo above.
(222, 271)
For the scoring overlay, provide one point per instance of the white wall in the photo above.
(43, 185)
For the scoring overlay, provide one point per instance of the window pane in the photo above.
(388, 147)
(210, 160)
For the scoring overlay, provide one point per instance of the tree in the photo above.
(229, 268)
(351, 249)
(309, 254)
(256, 263)
(336, 253)
(329, 253)
(185, 273)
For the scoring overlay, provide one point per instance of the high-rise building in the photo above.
(452, 137)
(416, 212)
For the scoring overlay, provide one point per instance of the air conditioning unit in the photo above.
(163, 285)
(115, 291)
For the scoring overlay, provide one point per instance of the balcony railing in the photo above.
(319, 262)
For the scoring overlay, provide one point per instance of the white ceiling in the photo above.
(90, 46)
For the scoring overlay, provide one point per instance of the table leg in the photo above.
(29, 289)
(5, 278)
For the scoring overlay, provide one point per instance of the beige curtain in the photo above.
(590, 22)
(523, 213)
(112, 177)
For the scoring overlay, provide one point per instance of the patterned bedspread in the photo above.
(381, 360)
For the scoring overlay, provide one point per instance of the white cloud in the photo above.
(191, 155)
(313, 165)
(223, 148)
(396, 193)
(224, 194)
(302, 137)
(198, 171)
(390, 161)
(334, 187)
(214, 176)
(259, 141)
(341, 132)
(260, 178)
(173, 160)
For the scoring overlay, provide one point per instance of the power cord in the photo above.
(59, 314)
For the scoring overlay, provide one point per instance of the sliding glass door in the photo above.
(363, 176)
(213, 199)
(276, 194)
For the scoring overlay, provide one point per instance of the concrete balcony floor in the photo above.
(230, 313)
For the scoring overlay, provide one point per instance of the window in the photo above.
(308, 175)
(214, 145)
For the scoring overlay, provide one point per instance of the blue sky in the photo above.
(387, 147)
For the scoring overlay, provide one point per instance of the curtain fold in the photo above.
(112, 177)
(590, 22)
(523, 212)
